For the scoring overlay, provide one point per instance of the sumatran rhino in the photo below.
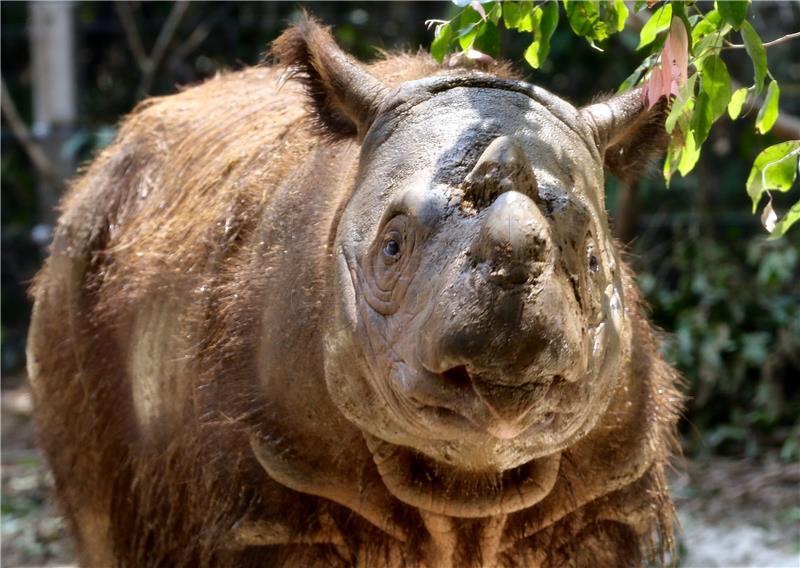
(344, 314)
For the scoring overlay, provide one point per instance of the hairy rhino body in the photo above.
(400, 335)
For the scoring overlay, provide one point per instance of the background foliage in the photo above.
(728, 300)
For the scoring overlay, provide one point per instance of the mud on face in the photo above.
(480, 316)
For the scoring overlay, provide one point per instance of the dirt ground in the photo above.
(733, 513)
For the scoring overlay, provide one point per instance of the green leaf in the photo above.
(495, 13)
(754, 48)
(531, 55)
(737, 100)
(717, 84)
(441, 43)
(702, 118)
(769, 110)
(639, 5)
(775, 168)
(469, 25)
(689, 154)
(548, 25)
(787, 221)
(616, 14)
(584, 19)
(733, 11)
(683, 103)
(487, 40)
(545, 21)
(658, 22)
(710, 23)
(709, 45)
(518, 15)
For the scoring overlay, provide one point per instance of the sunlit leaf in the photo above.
(441, 43)
(708, 45)
(671, 162)
(531, 55)
(658, 22)
(708, 24)
(754, 48)
(549, 21)
(495, 13)
(469, 25)
(736, 103)
(733, 11)
(584, 19)
(768, 217)
(518, 15)
(689, 155)
(717, 84)
(775, 168)
(702, 118)
(545, 21)
(683, 103)
(769, 110)
(786, 221)
(478, 7)
(616, 14)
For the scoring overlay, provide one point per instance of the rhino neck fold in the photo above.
(442, 489)
(352, 483)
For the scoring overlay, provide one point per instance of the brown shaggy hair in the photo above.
(169, 222)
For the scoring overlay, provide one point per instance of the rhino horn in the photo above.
(502, 167)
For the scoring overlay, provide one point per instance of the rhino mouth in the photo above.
(459, 401)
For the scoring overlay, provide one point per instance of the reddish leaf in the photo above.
(670, 74)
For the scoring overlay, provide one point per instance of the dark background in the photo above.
(728, 299)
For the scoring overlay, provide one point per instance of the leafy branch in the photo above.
(682, 48)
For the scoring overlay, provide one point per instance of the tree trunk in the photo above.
(55, 108)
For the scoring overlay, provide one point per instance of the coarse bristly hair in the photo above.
(166, 227)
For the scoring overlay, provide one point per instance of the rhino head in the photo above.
(480, 318)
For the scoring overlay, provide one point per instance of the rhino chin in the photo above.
(433, 486)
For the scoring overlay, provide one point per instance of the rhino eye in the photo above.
(391, 248)
(594, 264)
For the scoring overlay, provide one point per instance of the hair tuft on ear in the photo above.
(630, 135)
(644, 141)
(343, 96)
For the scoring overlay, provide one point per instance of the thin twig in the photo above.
(163, 40)
(21, 131)
(132, 36)
(787, 37)
(194, 40)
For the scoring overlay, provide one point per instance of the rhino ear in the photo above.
(628, 133)
(343, 96)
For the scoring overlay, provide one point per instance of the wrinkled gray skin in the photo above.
(489, 334)
(491, 337)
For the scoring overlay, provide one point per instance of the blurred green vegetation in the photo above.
(728, 300)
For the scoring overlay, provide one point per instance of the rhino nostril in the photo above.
(458, 376)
